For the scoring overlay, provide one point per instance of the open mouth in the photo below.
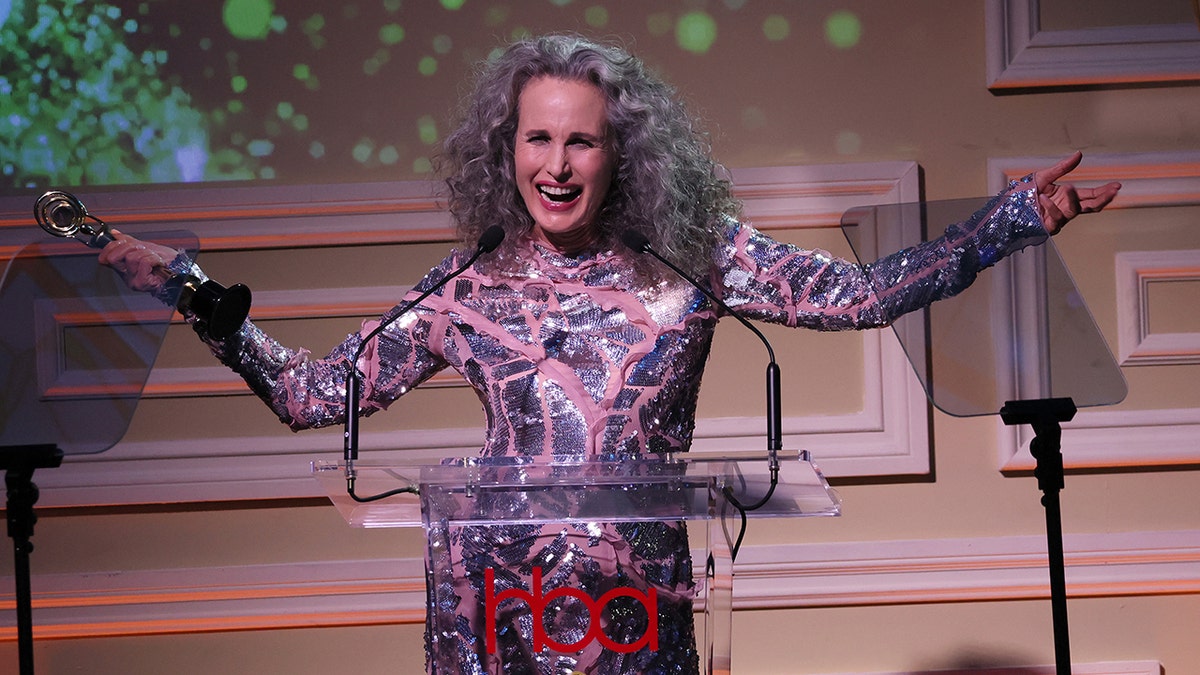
(559, 195)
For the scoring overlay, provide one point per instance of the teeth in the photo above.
(557, 192)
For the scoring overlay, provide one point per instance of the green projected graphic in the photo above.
(132, 92)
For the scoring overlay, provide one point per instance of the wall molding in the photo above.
(968, 569)
(391, 591)
(1137, 273)
(249, 217)
(1101, 437)
(1022, 56)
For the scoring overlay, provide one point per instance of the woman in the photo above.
(579, 347)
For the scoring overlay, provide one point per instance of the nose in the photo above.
(558, 165)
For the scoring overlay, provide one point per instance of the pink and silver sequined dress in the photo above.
(579, 357)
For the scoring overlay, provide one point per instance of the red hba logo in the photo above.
(537, 602)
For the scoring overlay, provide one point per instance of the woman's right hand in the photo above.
(1059, 203)
(141, 264)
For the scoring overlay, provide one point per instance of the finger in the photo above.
(134, 266)
(1052, 218)
(143, 274)
(1046, 177)
(149, 257)
(1067, 200)
(118, 235)
(135, 275)
(113, 251)
(1095, 199)
(121, 254)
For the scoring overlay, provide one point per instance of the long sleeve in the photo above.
(307, 393)
(781, 283)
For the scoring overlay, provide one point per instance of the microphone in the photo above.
(221, 310)
(488, 241)
(639, 243)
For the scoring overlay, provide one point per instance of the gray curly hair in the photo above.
(666, 184)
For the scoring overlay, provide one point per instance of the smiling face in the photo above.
(563, 159)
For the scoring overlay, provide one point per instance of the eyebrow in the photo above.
(573, 135)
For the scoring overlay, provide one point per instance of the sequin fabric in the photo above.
(577, 357)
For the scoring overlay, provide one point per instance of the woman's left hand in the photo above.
(1060, 203)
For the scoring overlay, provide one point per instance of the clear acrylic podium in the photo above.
(507, 491)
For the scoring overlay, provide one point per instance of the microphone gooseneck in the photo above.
(491, 238)
(639, 243)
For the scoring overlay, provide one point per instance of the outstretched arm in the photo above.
(303, 392)
(785, 284)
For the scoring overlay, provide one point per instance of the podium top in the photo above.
(491, 491)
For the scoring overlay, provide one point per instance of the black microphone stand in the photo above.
(19, 463)
(488, 242)
(1046, 417)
